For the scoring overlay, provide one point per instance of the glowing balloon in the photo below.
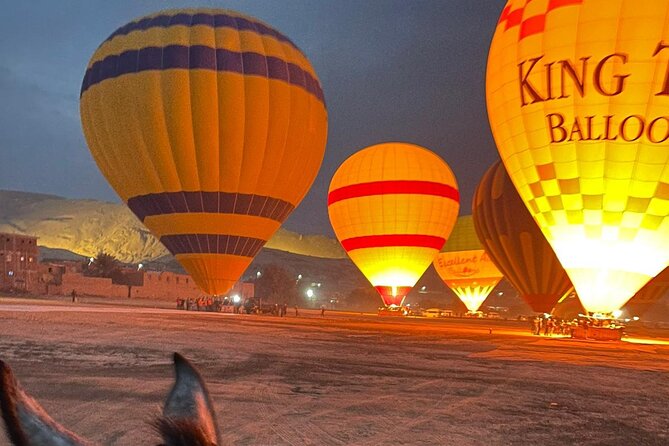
(211, 126)
(392, 207)
(470, 274)
(515, 243)
(577, 94)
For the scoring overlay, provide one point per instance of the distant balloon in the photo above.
(649, 295)
(577, 94)
(470, 274)
(515, 243)
(211, 126)
(392, 207)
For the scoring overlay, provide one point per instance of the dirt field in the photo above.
(340, 380)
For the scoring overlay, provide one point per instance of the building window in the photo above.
(186, 280)
(177, 280)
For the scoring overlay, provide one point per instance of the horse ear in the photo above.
(26, 423)
(188, 410)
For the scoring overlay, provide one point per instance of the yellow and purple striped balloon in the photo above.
(211, 126)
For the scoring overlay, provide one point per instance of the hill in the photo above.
(86, 227)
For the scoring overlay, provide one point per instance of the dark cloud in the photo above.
(391, 70)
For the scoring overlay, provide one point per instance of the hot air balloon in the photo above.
(649, 295)
(392, 207)
(577, 94)
(470, 274)
(515, 243)
(211, 126)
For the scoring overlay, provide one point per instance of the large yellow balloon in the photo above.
(392, 207)
(211, 126)
(470, 274)
(578, 93)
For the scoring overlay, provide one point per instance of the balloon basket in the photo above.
(598, 333)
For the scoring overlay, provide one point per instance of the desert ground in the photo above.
(344, 379)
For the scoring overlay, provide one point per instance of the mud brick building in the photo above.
(22, 271)
(19, 262)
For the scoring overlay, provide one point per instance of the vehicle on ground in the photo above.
(393, 311)
(474, 314)
(432, 312)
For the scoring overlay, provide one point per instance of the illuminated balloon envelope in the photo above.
(211, 126)
(471, 275)
(649, 295)
(577, 94)
(392, 207)
(515, 243)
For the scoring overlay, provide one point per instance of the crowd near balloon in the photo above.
(211, 126)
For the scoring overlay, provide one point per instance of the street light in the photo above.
(140, 266)
(310, 293)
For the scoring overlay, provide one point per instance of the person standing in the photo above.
(297, 313)
(74, 295)
(322, 310)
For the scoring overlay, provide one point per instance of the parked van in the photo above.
(432, 312)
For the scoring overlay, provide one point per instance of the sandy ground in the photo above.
(344, 379)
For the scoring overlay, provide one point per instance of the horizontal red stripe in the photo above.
(559, 3)
(505, 13)
(393, 187)
(383, 241)
(514, 18)
(533, 25)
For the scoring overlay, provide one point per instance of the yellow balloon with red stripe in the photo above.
(211, 126)
(392, 207)
(577, 94)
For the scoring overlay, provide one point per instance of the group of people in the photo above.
(217, 304)
(549, 326)
(204, 303)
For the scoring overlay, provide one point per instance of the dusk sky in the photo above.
(391, 70)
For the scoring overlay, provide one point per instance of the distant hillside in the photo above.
(77, 229)
(86, 227)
